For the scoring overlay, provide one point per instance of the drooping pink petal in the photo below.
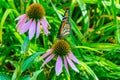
(21, 23)
(20, 17)
(25, 27)
(32, 29)
(45, 20)
(46, 54)
(58, 66)
(38, 29)
(66, 65)
(44, 26)
(48, 59)
(71, 56)
(72, 65)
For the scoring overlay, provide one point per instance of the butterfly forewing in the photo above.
(65, 26)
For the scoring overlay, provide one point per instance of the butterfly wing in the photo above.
(65, 26)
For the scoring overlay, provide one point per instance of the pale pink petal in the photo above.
(45, 20)
(72, 65)
(21, 23)
(46, 54)
(71, 56)
(44, 26)
(22, 16)
(25, 27)
(32, 29)
(48, 59)
(38, 29)
(58, 66)
(66, 65)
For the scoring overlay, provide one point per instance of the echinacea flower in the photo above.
(61, 49)
(32, 21)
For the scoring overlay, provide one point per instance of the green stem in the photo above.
(21, 62)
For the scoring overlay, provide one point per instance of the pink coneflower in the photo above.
(32, 21)
(61, 50)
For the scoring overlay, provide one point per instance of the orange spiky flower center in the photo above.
(35, 11)
(61, 47)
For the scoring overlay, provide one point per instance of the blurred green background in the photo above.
(94, 40)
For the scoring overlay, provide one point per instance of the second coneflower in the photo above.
(61, 49)
(32, 21)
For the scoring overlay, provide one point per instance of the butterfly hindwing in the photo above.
(65, 26)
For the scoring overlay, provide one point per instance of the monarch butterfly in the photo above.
(65, 26)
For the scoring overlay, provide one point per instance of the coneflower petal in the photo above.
(38, 29)
(71, 56)
(72, 65)
(66, 65)
(21, 23)
(20, 17)
(45, 20)
(44, 26)
(48, 59)
(58, 67)
(25, 27)
(32, 29)
(46, 54)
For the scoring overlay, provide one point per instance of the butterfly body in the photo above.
(65, 26)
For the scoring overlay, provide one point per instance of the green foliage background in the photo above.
(94, 40)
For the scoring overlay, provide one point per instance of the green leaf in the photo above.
(16, 72)
(35, 74)
(26, 77)
(7, 12)
(28, 62)
(89, 71)
(118, 33)
(45, 40)
(85, 47)
(42, 75)
(55, 9)
(4, 77)
(113, 10)
(91, 1)
(16, 34)
(85, 15)
(105, 46)
(76, 30)
(25, 45)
